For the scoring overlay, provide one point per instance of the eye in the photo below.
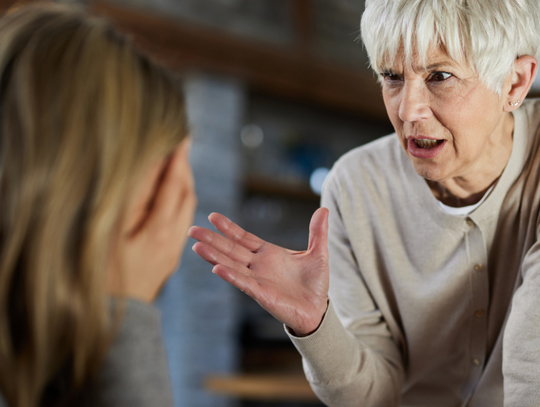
(390, 76)
(439, 76)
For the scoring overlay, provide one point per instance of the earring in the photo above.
(515, 104)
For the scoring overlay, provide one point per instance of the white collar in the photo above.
(464, 210)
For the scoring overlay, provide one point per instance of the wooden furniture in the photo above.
(292, 73)
(267, 387)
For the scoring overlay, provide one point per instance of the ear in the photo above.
(141, 202)
(142, 198)
(521, 81)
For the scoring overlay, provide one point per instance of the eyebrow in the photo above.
(432, 67)
(438, 65)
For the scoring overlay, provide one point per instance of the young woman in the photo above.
(96, 196)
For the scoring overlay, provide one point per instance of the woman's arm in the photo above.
(352, 359)
(357, 366)
(521, 342)
(345, 370)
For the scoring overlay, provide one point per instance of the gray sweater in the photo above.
(134, 373)
(429, 309)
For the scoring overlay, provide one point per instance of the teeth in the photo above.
(426, 143)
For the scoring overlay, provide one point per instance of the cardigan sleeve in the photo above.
(521, 341)
(351, 360)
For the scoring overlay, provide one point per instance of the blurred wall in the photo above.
(200, 311)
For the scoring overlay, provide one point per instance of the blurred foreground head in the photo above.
(82, 115)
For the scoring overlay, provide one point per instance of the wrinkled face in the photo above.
(447, 121)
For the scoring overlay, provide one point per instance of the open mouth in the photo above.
(427, 143)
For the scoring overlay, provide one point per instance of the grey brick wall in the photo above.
(200, 311)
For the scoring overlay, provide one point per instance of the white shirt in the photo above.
(464, 210)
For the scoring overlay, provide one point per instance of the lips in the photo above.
(425, 147)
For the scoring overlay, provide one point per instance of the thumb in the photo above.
(318, 231)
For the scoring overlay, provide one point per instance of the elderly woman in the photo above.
(433, 261)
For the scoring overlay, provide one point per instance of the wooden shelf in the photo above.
(287, 72)
(269, 186)
(267, 387)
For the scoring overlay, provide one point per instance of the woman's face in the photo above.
(448, 122)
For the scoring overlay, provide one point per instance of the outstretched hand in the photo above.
(290, 285)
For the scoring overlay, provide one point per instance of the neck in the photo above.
(469, 189)
(457, 198)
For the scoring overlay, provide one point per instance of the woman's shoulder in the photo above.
(531, 104)
(381, 157)
(380, 150)
(527, 133)
(531, 109)
(375, 170)
(134, 372)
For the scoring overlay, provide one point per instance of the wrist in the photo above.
(309, 329)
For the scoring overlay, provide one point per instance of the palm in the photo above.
(291, 285)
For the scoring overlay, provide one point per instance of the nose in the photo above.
(414, 105)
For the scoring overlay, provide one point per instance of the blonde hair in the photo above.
(82, 116)
(487, 35)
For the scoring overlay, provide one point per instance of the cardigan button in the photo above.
(479, 267)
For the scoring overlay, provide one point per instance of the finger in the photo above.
(244, 283)
(318, 231)
(226, 246)
(214, 257)
(235, 232)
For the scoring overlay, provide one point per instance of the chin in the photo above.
(431, 172)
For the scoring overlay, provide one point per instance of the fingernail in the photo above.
(214, 270)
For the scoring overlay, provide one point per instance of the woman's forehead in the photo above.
(435, 58)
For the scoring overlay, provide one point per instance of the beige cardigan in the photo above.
(420, 298)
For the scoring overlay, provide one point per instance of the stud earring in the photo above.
(515, 104)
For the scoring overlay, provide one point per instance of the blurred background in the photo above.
(277, 90)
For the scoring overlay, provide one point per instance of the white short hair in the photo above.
(487, 35)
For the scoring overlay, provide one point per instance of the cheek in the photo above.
(472, 123)
(392, 103)
(476, 108)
